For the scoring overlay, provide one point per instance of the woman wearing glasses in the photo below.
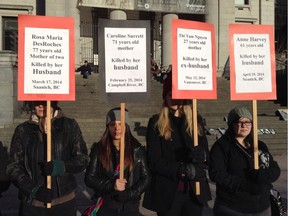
(240, 189)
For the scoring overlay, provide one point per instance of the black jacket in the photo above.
(103, 182)
(67, 145)
(230, 167)
(163, 166)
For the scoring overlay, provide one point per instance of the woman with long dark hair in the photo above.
(120, 196)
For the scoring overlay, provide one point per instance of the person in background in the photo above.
(175, 163)
(85, 70)
(120, 196)
(241, 189)
(29, 168)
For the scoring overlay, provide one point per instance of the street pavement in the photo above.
(9, 202)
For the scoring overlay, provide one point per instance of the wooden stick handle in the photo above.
(255, 135)
(122, 144)
(195, 136)
(48, 125)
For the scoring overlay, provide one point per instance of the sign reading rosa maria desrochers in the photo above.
(45, 58)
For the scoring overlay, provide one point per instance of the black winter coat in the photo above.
(163, 166)
(67, 145)
(103, 182)
(229, 168)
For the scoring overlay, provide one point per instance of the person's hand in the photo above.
(191, 171)
(43, 194)
(253, 187)
(120, 184)
(52, 168)
(197, 155)
(260, 175)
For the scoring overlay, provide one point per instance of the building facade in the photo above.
(86, 13)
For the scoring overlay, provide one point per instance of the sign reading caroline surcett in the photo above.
(125, 59)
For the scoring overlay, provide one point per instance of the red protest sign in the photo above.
(45, 58)
(193, 60)
(252, 62)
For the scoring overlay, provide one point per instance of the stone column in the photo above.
(9, 107)
(118, 15)
(167, 39)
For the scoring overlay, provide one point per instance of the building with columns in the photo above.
(86, 13)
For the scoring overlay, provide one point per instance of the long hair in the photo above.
(105, 149)
(164, 122)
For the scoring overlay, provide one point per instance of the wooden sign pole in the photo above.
(48, 125)
(255, 135)
(122, 144)
(195, 136)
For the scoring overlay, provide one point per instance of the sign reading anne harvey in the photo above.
(179, 6)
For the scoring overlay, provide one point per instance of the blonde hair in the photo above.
(164, 124)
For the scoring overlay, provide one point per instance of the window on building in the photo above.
(10, 33)
(242, 2)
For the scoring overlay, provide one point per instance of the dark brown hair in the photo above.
(105, 149)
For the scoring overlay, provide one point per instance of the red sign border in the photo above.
(251, 29)
(192, 94)
(45, 22)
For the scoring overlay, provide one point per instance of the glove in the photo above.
(259, 176)
(43, 194)
(253, 187)
(52, 168)
(191, 172)
(122, 196)
(197, 155)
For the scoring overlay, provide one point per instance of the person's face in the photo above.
(114, 128)
(242, 127)
(40, 109)
(174, 104)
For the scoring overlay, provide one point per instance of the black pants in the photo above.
(183, 205)
(106, 211)
(68, 209)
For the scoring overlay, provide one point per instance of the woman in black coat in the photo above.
(175, 163)
(120, 196)
(240, 189)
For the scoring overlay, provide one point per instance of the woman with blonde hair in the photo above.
(175, 163)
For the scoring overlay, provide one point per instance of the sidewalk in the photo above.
(9, 202)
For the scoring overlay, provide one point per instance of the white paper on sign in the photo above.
(46, 61)
(194, 59)
(252, 63)
(125, 60)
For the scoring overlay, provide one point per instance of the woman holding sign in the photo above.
(29, 167)
(120, 196)
(174, 162)
(240, 189)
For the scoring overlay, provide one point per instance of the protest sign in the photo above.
(193, 67)
(252, 62)
(46, 64)
(124, 65)
(252, 68)
(45, 58)
(124, 60)
(194, 63)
